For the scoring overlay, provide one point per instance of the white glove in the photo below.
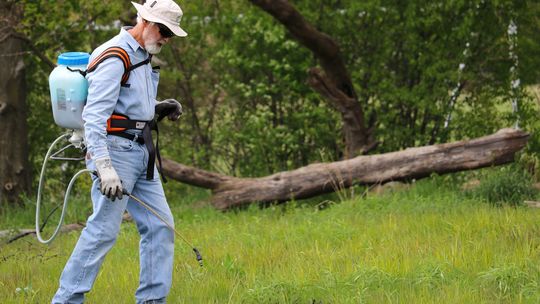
(110, 184)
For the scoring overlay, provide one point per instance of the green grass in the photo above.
(426, 244)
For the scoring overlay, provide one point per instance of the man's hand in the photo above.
(170, 108)
(110, 184)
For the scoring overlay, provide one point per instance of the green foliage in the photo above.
(530, 159)
(277, 123)
(242, 76)
(509, 185)
(405, 60)
(252, 114)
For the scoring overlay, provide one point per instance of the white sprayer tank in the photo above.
(69, 89)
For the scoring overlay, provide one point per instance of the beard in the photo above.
(153, 48)
(151, 45)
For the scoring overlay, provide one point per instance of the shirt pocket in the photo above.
(119, 144)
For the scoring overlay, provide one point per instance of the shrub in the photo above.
(509, 185)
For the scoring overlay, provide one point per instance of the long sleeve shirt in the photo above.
(106, 96)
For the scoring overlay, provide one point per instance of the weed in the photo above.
(509, 185)
(506, 280)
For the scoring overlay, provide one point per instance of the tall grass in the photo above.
(509, 185)
(426, 244)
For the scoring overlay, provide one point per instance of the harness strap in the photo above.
(146, 61)
(113, 52)
(160, 167)
(117, 52)
(120, 123)
(117, 124)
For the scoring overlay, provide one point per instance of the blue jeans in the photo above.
(156, 247)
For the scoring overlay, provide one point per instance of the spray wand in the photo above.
(197, 253)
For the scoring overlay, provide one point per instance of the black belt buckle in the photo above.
(138, 139)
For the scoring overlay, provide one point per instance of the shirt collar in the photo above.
(129, 39)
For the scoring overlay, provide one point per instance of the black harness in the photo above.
(117, 126)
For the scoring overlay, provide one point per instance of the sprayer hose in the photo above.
(66, 199)
(40, 188)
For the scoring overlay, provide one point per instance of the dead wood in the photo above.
(319, 178)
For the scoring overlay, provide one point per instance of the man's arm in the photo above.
(103, 92)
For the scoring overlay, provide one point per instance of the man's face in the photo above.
(153, 38)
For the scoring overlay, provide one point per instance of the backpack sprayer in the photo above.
(69, 89)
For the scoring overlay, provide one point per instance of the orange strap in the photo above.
(115, 129)
(117, 52)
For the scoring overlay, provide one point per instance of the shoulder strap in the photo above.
(117, 52)
(144, 62)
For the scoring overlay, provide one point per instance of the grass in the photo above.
(425, 244)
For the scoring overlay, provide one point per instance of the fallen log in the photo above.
(320, 178)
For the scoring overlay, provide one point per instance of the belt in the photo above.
(117, 125)
(132, 137)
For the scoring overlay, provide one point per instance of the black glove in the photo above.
(168, 108)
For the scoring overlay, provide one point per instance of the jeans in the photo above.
(156, 247)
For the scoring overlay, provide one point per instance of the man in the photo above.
(124, 160)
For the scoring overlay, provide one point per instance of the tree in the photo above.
(14, 168)
(336, 86)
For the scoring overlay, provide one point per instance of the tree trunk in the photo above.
(14, 168)
(336, 86)
(315, 179)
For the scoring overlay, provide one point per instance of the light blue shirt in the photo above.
(105, 94)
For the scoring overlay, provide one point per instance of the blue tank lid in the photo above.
(73, 58)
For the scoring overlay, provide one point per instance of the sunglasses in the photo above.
(164, 31)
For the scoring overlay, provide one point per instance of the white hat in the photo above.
(166, 12)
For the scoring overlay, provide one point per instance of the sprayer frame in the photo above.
(77, 141)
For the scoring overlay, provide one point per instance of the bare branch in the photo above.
(337, 86)
(34, 49)
(322, 45)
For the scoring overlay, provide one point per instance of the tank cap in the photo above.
(73, 58)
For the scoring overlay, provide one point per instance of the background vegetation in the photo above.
(242, 77)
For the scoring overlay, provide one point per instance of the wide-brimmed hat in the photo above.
(166, 12)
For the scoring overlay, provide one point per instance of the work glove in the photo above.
(110, 184)
(168, 108)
